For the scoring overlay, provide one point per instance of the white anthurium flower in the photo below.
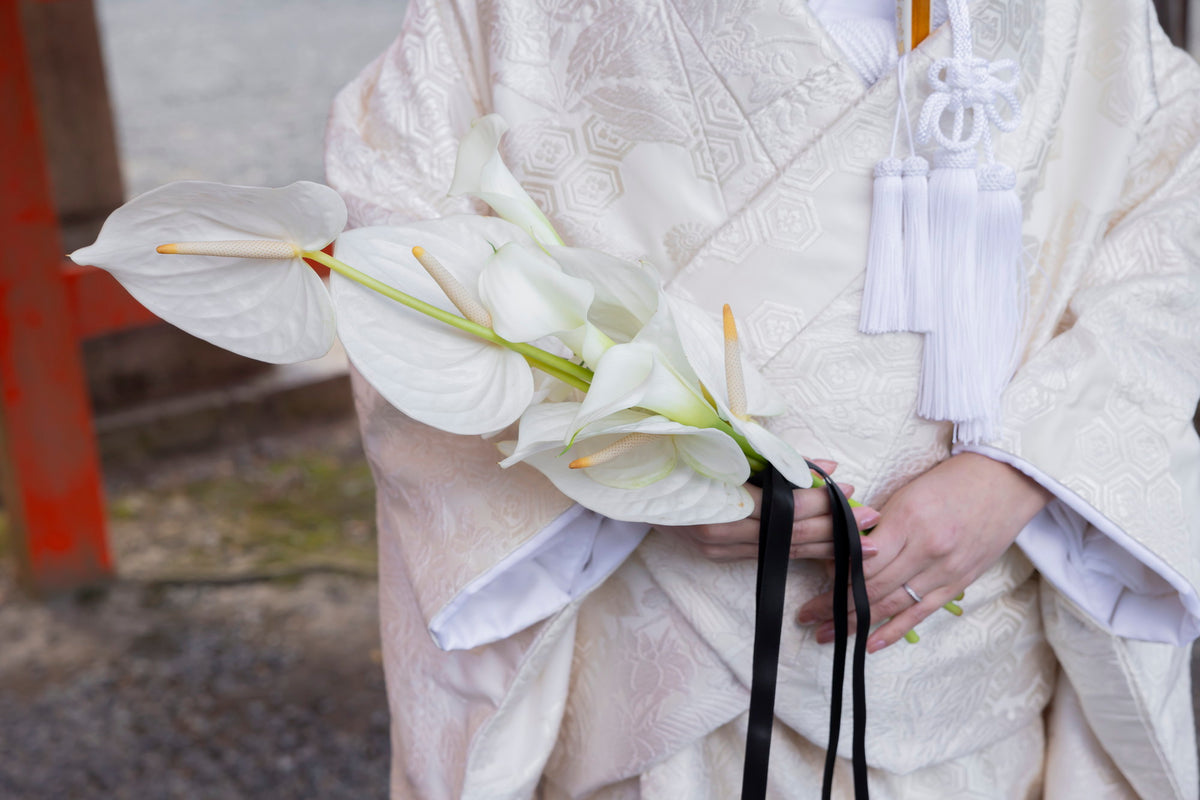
(638, 375)
(706, 352)
(652, 469)
(432, 372)
(547, 389)
(651, 372)
(699, 335)
(481, 172)
(626, 293)
(530, 297)
(223, 263)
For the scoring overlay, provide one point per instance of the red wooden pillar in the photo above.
(52, 487)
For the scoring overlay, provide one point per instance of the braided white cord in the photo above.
(964, 82)
(900, 108)
(902, 81)
(960, 27)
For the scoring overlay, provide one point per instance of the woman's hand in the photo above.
(937, 535)
(812, 528)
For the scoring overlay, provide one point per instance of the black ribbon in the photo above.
(774, 545)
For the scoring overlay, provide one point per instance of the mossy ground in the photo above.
(171, 682)
(308, 506)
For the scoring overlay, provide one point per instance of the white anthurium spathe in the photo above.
(257, 298)
(432, 372)
(637, 375)
(530, 297)
(480, 172)
(672, 475)
(701, 339)
(626, 293)
(651, 372)
(699, 335)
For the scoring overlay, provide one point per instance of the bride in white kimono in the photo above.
(535, 649)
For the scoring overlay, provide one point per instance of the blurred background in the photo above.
(235, 652)
(198, 618)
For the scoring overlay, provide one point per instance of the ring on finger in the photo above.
(911, 592)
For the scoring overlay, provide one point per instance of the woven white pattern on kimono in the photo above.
(731, 143)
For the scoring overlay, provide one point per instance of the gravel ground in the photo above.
(169, 684)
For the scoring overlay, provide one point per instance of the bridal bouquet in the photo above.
(634, 403)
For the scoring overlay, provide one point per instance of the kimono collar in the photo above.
(792, 81)
(806, 222)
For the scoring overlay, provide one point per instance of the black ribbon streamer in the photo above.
(774, 545)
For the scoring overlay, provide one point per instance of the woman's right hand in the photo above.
(812, 528)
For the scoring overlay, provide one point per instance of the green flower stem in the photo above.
(819, 483)
(757, 462)
(554, 372)
(568, 372)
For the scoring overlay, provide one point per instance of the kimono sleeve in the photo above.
(1102, 415)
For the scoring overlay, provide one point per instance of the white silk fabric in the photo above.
(731, 144)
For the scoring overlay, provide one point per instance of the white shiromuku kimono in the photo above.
(731, 143)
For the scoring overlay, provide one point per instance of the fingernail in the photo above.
(825, 631)
(875, 645)
(847, 488)
(869, 548)
(806, 617)
(867, 519)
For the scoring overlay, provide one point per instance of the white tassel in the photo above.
(969, 349)
(922, 308)
(947, 392)
(885, 303)
(1001, 275)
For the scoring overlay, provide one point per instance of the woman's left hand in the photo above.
(937, 534)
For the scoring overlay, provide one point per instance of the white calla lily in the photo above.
(481, 172)
(637, 375)
(678, 351)
(257, 297)
(626, 293)
(435, 373)
(675, 475)
(529, 296)
(651, 372)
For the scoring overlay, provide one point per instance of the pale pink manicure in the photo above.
(867, 519)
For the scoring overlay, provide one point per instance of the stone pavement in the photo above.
(233, 91)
